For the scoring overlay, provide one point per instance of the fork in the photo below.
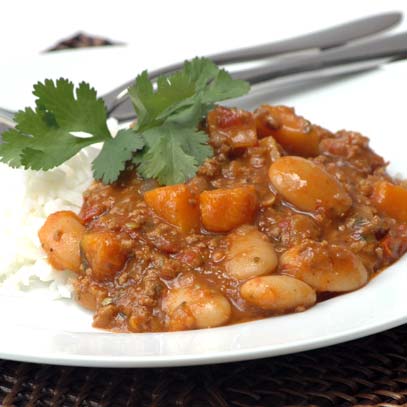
(337, 61)
(318, 40)
(326, 41)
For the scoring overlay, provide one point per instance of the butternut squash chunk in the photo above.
(390, 199)
(225, 209)
(176, 204)
(295, 134)
(104, 254)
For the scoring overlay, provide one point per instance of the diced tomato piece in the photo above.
(88, 213)
(235, 127)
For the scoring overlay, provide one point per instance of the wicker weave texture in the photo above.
(370, 371)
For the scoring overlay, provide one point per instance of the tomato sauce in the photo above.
(282, 216)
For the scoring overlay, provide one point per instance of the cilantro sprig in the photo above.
(165, 144)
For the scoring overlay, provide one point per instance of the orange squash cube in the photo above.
(225, 209)
(176, 204)
(104, 254)
(295, 134)
(390, 199)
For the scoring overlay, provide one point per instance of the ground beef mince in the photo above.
(282, 216)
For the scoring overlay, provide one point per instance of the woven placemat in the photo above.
(367, 372)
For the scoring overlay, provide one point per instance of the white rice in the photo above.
(27, 198)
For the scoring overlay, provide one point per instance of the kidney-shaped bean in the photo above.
(324, 267)
(308, 186)
(250, 254)
(207, 307)
(278, 293)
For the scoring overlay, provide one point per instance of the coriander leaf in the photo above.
(200, 71)
(86, 113)
(13, 143)
(176, 168)
(173, 153)
(19, 150)
(224, 87)
(165, 143)
(200, 81)
(16, 140)
(42, 137)
(140, 94)
(115, 152)
(188, 116)
(196, 145)
(33, 122)
(149, 104)
(59, 149)
(46, 146)
(168, 118)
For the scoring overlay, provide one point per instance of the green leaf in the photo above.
(12, 146)
(195, 144)
(165, 143)
(42, 138)
(149, 104)
(189, 116)
(84, 113)
(112, 159)
(224, 87)
(168, 118)
(60, 149)
(199, 82)
(46, 147)
(184, 150)
(33, 122)
(200, 71)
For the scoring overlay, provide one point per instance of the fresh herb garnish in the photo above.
(165, 143)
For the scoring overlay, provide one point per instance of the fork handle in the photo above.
(338, 61)
(6, 118)
(323, 39)
(393, 47)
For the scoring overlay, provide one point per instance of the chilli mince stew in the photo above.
(202, 215)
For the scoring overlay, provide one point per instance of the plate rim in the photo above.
(215, 357)
(212, 357)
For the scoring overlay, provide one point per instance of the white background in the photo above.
(157, 33)
(170, 27)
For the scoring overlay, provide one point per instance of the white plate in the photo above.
(40, 330)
